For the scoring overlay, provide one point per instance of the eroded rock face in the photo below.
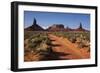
(56, 27)
(60, 26)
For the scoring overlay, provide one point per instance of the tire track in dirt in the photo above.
(65, 46)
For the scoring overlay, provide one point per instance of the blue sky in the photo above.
(46, 19)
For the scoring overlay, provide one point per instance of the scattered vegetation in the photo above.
(81, 38)
(38, 43)
(38, 46)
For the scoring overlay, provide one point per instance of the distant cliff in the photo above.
(54, 27)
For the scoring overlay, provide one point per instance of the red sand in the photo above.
(69, 48)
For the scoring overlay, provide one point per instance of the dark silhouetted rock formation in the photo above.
(54, 27)
(34, 27)
(80, 28)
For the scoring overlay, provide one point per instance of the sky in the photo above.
(46, 19)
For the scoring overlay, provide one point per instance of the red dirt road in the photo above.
(65, 46)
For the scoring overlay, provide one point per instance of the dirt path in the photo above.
(66, 47)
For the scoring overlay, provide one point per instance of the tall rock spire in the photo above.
(80, 26)
(34, 22)
(34, 26)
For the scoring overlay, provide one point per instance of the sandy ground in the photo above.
(62, 49)
(66, 47)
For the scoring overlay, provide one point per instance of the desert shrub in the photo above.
(39, 41)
